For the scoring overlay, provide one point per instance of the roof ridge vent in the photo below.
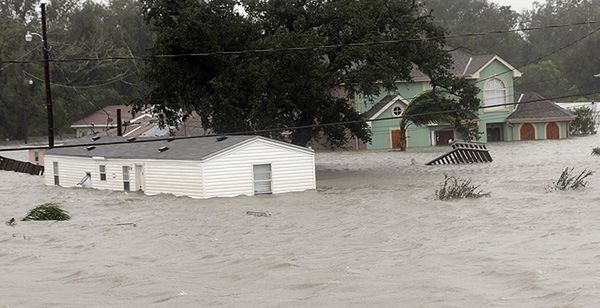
(162, 149)
(221, 138)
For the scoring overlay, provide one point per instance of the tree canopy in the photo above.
(262, 90)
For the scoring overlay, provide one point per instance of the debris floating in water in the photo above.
(127, 224)
(11, 222)
(259, 214)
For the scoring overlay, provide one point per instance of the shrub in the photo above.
(568, 180)
(455, 188)
(596, 151)
(584, 123)
(47, 211)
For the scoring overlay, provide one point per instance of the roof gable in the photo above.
(383, 105)
(468, 65)
(536, 108)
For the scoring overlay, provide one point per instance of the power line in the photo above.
(540, 58)
(308, 48)
(254, 132)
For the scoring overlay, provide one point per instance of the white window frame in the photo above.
(55, 173)
(490, 98)
(126, 179)
(394, 109)
(270, 180)
(102, 173)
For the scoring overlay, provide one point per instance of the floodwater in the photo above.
(371, 235)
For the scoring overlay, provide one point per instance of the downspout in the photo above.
(514, 133)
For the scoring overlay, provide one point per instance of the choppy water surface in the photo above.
(371, 235)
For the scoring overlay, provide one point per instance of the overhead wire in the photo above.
(283, 129)
(308, 48)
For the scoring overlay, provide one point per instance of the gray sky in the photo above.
(518, 5)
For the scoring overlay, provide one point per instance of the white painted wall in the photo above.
(181, 178)
(230, 173)
(224, 175)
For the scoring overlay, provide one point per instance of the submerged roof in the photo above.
(142, 148)
(536, 108)
(106, 116)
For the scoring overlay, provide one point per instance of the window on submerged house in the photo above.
(55, 171)
(262, 179)
(126, 185)
(102, 172)
(495, 93)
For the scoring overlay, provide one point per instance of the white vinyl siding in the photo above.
(230, 173)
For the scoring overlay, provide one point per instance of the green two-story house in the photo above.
(490, 73)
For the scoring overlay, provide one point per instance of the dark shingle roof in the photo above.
(536, 108)
(377, 107)
(179, 149)
(461, 65)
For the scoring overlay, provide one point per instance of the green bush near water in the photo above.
(568, 180)
(47, 211)
(455, 188)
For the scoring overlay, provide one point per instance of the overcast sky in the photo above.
(517, 5)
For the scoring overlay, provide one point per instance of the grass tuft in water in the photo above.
(455, 188)
(47, 211)
(568, 180)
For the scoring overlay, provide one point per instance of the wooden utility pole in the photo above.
(119, 123)
(47, 78)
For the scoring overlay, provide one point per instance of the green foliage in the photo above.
(455, 188)
(584, 123)
(255, 91)
(76, 29)
(568, 180)
(47, 211)
(468, 16)
(452, 101)
(547, 78)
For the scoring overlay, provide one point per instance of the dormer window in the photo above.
(495, 94)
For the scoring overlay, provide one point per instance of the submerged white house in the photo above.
(197, 167)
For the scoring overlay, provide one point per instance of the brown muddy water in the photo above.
(372, 235)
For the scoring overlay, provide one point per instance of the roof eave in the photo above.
(537, 120)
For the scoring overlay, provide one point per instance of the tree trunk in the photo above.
(403, 125)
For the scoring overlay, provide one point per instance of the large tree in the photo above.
(288, 87)
(76, 29)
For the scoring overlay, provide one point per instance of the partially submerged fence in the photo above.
(8, 164)
(464, 153)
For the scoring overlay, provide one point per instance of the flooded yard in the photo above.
(372, 234)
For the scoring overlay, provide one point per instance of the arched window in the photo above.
(495, 93)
